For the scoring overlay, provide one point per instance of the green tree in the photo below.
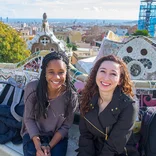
(68, 40)
(141, 32)
(12, 47)
(74, 47)
(71, 45)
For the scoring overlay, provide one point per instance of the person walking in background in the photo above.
(50, 103)
(107, 108)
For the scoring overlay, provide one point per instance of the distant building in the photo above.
(132, 29)
(83, 45)
(83, 53)
(23, 25)
(25, 32)
(45, 39)
(98, 43)
(61, 35)
(75, 36)
(121, 32)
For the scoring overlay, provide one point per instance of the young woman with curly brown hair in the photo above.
(107, 109)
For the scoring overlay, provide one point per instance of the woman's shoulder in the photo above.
(31, 86)
(73, 97)
(126, 98)
(129, 103)
(123, 97)
(72, 92)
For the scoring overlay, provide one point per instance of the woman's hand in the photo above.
(39, 152)
(46, 150)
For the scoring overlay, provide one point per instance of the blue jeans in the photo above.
(60, 149)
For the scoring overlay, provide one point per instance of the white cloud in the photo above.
(113, 10)
(86, 8)
(96, 9)
(108, 9)
(59, 2)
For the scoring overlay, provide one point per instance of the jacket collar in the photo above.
(109, 115)
(106, 117)
(116, 95)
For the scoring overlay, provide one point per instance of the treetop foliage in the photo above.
(141, 32)
(12, 47)
(72, 46)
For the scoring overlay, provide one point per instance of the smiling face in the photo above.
(108, 76)
(55, 74)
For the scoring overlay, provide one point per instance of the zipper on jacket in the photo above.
(126, 151)
(105, 134)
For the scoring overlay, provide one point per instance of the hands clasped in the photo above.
(44, 150)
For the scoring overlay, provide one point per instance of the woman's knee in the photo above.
(28, 146)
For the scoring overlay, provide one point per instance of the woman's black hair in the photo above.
(41, 91)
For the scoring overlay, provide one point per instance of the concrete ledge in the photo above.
(9, 151)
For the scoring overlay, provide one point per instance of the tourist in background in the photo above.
(50, 103)
(107, 108)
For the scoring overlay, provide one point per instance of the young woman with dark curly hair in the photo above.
(108, 111)
(50, 103)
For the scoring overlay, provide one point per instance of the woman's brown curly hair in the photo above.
(91, 87)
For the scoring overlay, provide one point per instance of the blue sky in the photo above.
(88, 9)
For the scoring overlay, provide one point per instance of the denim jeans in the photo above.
(59, 149)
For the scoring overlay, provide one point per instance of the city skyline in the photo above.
(80, 9)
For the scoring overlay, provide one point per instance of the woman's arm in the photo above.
(56, 138)
(29, 116)
(86, 144)
(63, 130)
(120, 132)
(37, 142)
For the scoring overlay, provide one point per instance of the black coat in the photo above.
(106, 134)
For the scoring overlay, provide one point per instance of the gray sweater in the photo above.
(55, 122)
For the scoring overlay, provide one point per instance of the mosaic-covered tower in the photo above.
(45, 39)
